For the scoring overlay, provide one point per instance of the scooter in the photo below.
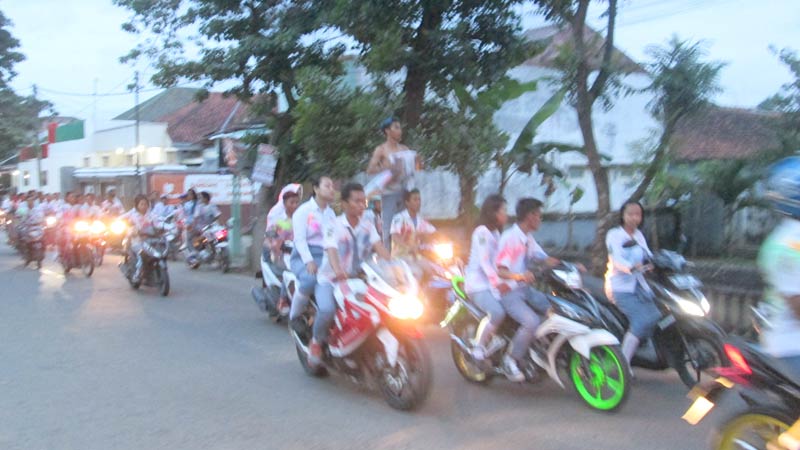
(211, 245)
(374, 338)
(275, 281)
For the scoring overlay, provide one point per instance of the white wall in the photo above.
(60, 154)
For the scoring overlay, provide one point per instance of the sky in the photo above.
(71, 46)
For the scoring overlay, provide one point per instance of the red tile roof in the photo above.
(217, 113)
(725, 133)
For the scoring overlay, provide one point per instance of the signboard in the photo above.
(219, 186)
(264, 169)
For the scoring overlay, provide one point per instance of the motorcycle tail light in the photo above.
(737, 359)
(221, 235)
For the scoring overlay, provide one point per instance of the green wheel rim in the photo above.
(603, 387)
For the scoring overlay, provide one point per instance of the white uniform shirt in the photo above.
(307, 223)
(621, 261)
(779, 261)
(408, 229)
(515, 249)
(481, 272)
(339, 234)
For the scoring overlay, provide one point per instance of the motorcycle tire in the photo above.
(464, 363)
(163, 276)
(318, 372)
(755, 426)
(86, 260)
(603, 381)
(413, 364)
(706, 354)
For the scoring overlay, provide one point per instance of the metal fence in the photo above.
(730, 308)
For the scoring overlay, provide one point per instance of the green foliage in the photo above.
(787, 102)
(439, 43)
(336, 124)
(9, 56)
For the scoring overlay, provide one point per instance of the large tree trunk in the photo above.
(466, 184)
(414, 88)
(415, 83)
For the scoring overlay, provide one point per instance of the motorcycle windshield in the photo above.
(396, 274)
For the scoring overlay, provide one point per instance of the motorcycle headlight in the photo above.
(97, 227)
(50, 221)
(444, 251)
(690, 307)
(405, 307)
(81, 226)
(118, 227)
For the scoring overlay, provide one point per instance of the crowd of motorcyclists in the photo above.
(324, 250)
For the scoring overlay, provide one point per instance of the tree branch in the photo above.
(608, 52)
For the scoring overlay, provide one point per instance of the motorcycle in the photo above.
(79, 252)
(172, 231)
(50, 223)
(32, 238)
(155, 250)
(685, 339)
(571, 341)
(274, 281)
(98, 241)
(212, 244)
(770, 391)
(374, 338)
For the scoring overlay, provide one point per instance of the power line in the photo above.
(108, 94)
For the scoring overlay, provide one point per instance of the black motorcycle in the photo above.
(32, 238)
(685, 339)
(78, 253)
(211, 245)
(155, 250)
(770, 390)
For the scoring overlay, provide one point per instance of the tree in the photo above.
(437, 43)
(787, 103)
(261, 46)
(19, 115)
(585, 83)
(682, 84)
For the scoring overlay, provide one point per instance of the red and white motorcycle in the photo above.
(374, 338)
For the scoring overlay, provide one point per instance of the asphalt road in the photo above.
(91, 364)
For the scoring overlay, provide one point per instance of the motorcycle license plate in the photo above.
(698, 411)
(666, 321)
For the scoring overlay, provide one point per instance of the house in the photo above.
(64, 142)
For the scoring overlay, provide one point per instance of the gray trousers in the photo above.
(391, 204)
(641, 311)
(495, 314)
(516, 304)
(326, 311)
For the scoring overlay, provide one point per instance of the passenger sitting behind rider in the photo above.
(348, 241)
(279, 230)
(409, 230)
(481, 281)
(517, 248)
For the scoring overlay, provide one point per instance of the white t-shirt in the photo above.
(339, 234)
(621, 260)
(308, 222)
(515, 249)
(481, 272)
(408, 229)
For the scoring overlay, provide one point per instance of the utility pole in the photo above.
(136, 131)
(37, 148)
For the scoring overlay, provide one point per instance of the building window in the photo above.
(106, 160)
(26, 178)
(87, 161)
(43, 178)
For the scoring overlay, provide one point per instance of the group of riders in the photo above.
(328, 249)
(32, 209)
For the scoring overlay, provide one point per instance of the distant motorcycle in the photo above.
(32, 239)
(98, 231)
(78, 253)
(210, 246)
(155, 250)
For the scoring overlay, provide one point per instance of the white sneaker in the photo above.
(478, 353)
(511, 369)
